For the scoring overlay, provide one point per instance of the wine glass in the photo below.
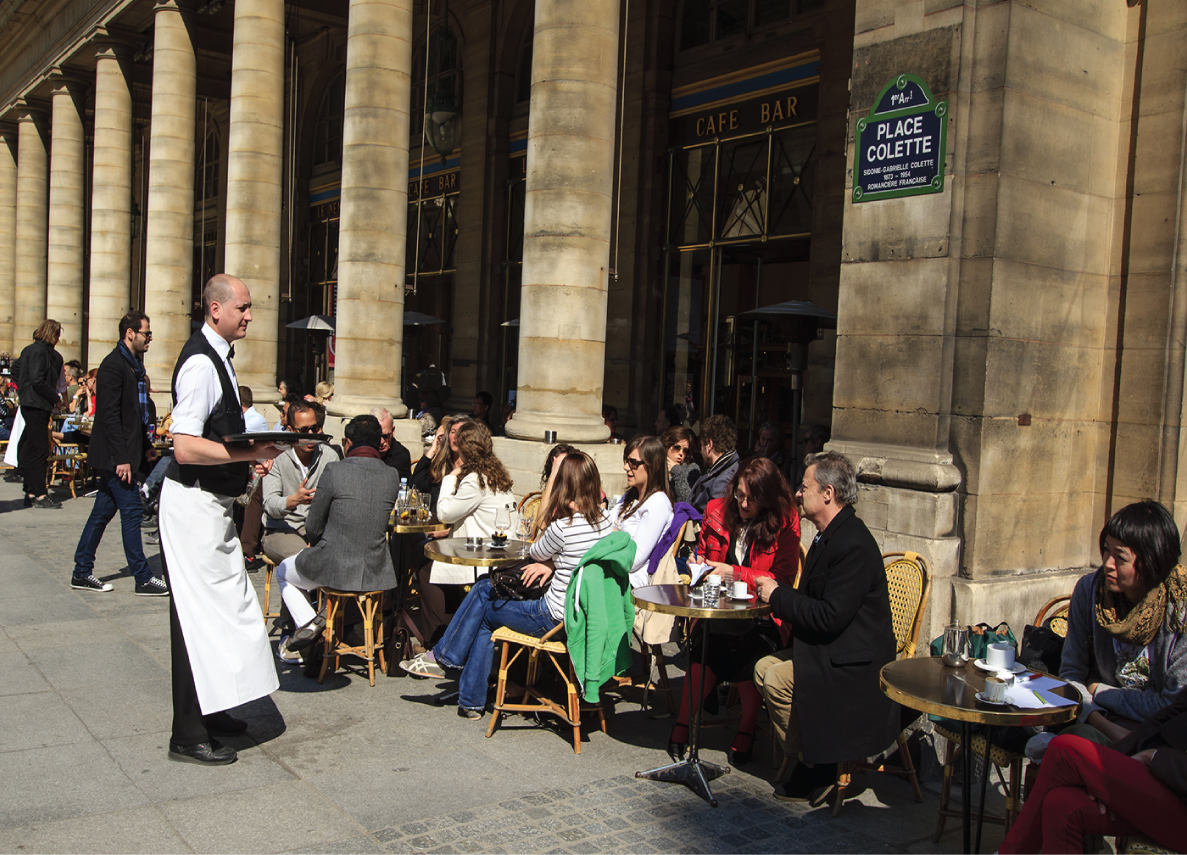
(527, 522)
(502, 524)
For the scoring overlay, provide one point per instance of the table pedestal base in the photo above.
(693, 773)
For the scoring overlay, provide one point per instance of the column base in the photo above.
(531, 426)
(349, 406)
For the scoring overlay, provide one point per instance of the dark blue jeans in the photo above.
(114, 495)
(466, 644)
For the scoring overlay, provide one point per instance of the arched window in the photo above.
(327, 139)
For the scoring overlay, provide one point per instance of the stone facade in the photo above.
(1008, 361)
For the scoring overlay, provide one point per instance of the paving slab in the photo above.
(39, 720)
(96, 665)
(137, 830)
(123, 709)
(19, 676)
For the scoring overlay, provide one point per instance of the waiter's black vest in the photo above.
(228, 479)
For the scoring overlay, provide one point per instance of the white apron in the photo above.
(224, 630)
(14, 438)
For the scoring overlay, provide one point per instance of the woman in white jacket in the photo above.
(475, 490)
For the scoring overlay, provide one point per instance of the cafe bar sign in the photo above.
(900, 144)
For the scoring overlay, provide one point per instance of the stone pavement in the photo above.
(341, 767)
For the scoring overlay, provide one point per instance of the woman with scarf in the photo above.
(1125, 648)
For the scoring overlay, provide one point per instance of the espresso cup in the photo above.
(995, 689)
(740, 591)
(1000, 656)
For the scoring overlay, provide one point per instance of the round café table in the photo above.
(453, 550)
(427, 527)
(930, 686)
(678, 600)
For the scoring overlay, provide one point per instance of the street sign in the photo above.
(900, 144)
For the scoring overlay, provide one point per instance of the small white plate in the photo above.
(694, 594)
(743, 599)
(1018, 668)
(985, 700)
(492, 545)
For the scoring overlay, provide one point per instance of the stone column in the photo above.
(7, 235)
(254, 168)
(111, 202)
(370, 319)
(567, 221)
(67, 218)
(32, 225)
(967, 386)
(169, 239)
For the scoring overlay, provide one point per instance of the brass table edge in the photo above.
(461, 561)
(420, 528)
(697, 611)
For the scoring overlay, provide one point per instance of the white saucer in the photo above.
(743, 599)
(1018, 668)
(983, 699)
(491, 545)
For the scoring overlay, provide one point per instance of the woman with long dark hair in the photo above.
(753, 531)
(645, 510)
(683, 471)
(574, 521)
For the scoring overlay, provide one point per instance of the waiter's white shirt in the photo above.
(225, 633)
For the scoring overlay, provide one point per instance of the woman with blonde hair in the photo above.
(574, 521)
(323, 392)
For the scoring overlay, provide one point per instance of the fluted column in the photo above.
(169, 239)
(567, 219)
(32, 225)
(254, 169)
(111, 202)
(67, 219)
(7, 236)
(370, 317)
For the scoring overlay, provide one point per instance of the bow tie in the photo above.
(231, 352)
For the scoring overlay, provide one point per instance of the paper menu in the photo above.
(1037, 694)
(697, 572)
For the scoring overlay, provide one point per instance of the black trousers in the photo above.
(188, 726)
(33, 450)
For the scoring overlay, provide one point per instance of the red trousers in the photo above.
(1059, 811)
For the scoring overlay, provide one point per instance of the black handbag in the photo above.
(507, 582)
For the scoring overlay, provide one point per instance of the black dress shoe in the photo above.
(808, 784)
(224, 723)
(739, 758)
(204, 753)
(309, 633)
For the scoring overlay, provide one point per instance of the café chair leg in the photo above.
(950, 756)
(909, 767)
(844, 779)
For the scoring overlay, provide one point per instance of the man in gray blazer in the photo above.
(347, 525)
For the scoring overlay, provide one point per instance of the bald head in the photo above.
(220, 288)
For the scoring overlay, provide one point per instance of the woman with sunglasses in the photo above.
(645, 510)
(753, 531)
(683, 470)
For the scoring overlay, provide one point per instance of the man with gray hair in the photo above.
(393, 452)
(822, 691)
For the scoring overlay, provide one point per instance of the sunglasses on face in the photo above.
(147, 335)
(306, 429)
(633, 462)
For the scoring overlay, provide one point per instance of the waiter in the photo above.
(220, 653)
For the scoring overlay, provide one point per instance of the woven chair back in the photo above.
(908, 583)
(1055, 611)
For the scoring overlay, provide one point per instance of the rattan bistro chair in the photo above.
(1056, 611)
(908, 584)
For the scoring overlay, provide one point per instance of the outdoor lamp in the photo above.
(443, 117)
(443, 123)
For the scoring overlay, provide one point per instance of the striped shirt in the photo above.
(565, 543)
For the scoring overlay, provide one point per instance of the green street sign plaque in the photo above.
(900, 144)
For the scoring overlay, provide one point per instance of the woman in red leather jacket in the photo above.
(753, 531)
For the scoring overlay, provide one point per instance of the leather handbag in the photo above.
(507, 582)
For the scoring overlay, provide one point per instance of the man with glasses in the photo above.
(822, 691)
(121, 444)
(394, 453)
(718, 439)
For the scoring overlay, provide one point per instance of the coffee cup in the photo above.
(995, 690)
(1000, 656)
(740, 591)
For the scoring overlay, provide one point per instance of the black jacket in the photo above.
(119, 433)
(1166, 731)
(398, 458)
(842, 635)
(38, 372)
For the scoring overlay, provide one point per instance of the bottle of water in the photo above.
(402, 501)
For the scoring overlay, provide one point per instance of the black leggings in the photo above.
(33, 450)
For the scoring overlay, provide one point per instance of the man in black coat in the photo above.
(392, 451)
(120, 444)
(822, 692)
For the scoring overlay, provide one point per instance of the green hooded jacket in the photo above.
(599, 613)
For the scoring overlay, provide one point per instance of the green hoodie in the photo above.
(599, 613)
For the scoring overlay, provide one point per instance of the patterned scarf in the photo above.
(1143, 620)
(141, 385)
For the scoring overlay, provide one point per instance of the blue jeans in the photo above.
(466, 644)
(114, 495)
